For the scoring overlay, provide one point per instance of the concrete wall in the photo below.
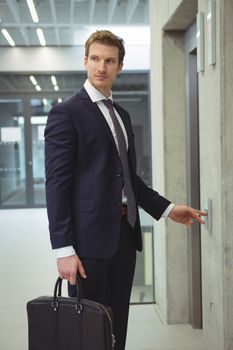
(226, 46)
(210, 168)
(216, 167)
(169, 165)
(216, 106)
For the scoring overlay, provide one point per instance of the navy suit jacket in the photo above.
(84, 179)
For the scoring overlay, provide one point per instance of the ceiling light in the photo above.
(54, 80)
(33, 11)
(33, 80)
(41, 36)
(38, 88)
(8, 37)
(56, 88)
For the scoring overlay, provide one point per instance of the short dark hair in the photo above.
(108, 38)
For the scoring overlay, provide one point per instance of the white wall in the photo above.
(64, 59)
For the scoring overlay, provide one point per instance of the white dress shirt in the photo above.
(97, 97)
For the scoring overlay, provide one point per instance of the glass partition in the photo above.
(12, 153)
(39, 109)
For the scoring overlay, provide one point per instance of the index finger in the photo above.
(201, 213)
(197, 216)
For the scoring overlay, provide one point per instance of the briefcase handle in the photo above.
(58, 288)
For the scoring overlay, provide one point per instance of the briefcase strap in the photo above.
(58, 292)
(55, 303)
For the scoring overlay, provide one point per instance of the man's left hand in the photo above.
(186, 215)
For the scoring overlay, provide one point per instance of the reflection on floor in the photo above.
(15, 198)
(19, 197)
(142, 294)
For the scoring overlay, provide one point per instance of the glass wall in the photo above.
(22, 122)
(39, 108)
(12, 153)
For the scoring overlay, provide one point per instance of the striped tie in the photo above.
(128, 189)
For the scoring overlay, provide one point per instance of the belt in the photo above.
(123, 210)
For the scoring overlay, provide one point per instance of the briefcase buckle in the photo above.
(55, 305)
(79, 308)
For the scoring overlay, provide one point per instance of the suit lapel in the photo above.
(94, 109)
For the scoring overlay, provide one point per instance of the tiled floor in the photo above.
(27, 271)
(147, 332)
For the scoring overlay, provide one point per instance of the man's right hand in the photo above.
(68, 268)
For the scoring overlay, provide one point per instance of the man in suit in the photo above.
(92, 188)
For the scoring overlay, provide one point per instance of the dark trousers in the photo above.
(110, 281)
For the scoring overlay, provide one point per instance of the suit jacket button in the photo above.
(118, 175)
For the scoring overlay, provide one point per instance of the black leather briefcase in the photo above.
(64, 323)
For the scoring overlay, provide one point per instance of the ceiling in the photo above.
(61, 20)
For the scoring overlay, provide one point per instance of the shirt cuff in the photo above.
(64, 251)
(167, 211)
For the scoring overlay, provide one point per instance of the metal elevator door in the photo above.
(193, 176)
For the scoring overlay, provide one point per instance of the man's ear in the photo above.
(120, 67)
(85, 62)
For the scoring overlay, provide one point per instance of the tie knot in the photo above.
(108, 103)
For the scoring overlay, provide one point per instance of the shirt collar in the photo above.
(94, 94)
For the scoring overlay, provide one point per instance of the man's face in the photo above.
(102, 65)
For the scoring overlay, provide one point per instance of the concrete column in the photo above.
(169, 164)
(175, 174)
